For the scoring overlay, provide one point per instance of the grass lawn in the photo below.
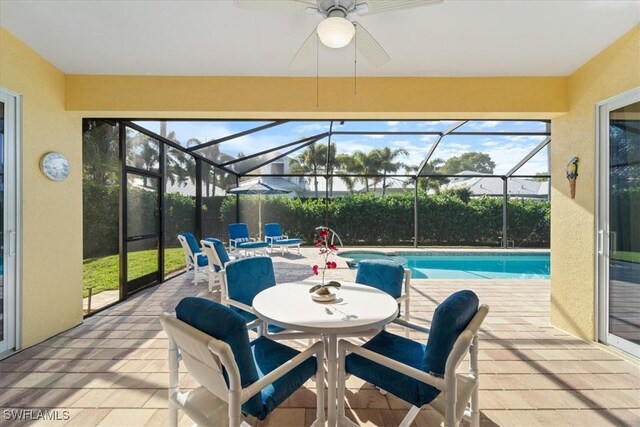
(102, 274)
(626, 256)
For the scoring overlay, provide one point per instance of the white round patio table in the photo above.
(356, 309)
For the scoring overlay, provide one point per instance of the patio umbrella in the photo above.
(258, 188)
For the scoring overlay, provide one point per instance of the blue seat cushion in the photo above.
(273, 230)
(252, 245)
(250, 317)
(203, 261)
(247, 277)
(403, 350)
(238, 230)
(195, 248)
(220, 322)
(450, 318)
(269, 355)
(381, 274)
(288, 242)
(220, 250)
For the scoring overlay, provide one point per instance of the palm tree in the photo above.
(310, 161)
(100, 147)
(369, 164)
(387, 158)
(347, 163)
(431, 168)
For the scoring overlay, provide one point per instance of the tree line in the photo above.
(378, 163)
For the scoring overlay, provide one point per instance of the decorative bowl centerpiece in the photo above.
(321, 292)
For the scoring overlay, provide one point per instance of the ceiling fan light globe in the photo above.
(336, 32)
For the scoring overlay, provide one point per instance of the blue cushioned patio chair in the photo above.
(237, 377)
(387, 276)
(274, 236)
(239, 240)
(424, 375)
(244, 279)
(218, 258)
(195, 258)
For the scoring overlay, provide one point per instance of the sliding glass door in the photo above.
(8, 221)
(619, 222)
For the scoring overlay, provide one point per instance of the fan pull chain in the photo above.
(355, 64)
(317, 72)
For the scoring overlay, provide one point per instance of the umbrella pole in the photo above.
(259, 217)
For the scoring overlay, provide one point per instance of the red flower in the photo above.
(315, 270)
(332, 248)
(331, 264)
(319, 242)
(324, 233)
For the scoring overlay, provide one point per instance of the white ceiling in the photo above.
(455, 38)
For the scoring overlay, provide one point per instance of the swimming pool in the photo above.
(463, 265)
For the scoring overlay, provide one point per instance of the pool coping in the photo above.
(399, 252)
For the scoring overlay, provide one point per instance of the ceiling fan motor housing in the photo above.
(339, 8)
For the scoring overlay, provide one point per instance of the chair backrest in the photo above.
(239, 232)
(450, 319)
(218, 324)
(216, 252)
(273, 230)
(191, 241)
(246, 277)
(381, 274)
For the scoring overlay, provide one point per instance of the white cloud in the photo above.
(488, 124)
(392, 123)
(311, 128)
(490, 143)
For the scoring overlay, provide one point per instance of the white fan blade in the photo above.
(369, 47)
(369, 7)
(306, 52)
(288, 6)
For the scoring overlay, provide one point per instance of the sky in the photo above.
(504, 150)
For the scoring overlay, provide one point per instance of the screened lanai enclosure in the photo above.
(412, 183)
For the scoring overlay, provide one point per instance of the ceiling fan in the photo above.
(337, 29)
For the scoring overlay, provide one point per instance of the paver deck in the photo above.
(112, 369)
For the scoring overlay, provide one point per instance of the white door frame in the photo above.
(12, 220)
(602, 235)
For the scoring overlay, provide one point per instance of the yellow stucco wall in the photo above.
(52, 211)
(281, 97)
(613, 71)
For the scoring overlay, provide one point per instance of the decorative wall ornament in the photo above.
(572, 174)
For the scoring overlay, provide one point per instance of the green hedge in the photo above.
(365, 219)
(362, 219)
(100, 217)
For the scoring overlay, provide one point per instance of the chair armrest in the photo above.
(253, 323)
(283, 369)
(238, 304)
(269, 239)
(413, 326)
(421, 376)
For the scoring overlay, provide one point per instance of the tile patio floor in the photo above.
(112, 369)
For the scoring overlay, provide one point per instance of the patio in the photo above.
(112, 369)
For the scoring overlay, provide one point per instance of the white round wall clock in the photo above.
(55, 166)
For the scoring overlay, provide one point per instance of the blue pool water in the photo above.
(462, 265)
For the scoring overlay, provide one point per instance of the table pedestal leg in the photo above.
(332, 367)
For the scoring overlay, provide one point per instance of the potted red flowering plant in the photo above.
(326, 249)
